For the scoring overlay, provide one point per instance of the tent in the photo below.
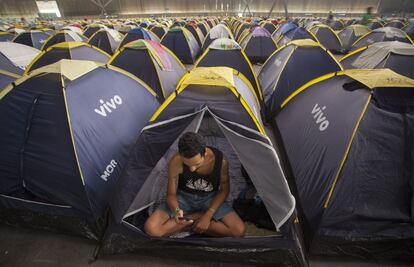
(395, 23)
(336, 25)
(182, 43)
(218, 31)
(258, 45)
(16, 57)
(32, 38)
(73, 28)
(106, 40)
(224, 52)
(348, 137)
(151, 62)
(67, 129)
(6, 37)
(6, 78)
(381, 35)
(159, 30)
(350, 34)
(63, 36)
(312, 24)
(68, 50)
(295, 33)
(216, 103)
(196, 32)
(279, 76)
(92, 29)
(409, 29)
(136, 34)
(269, 26)
(283, 29)
(375, 25)
(245, 33)
(124, 29)
(327, 37)
(204, 28)
(396, 56)
(241, 29)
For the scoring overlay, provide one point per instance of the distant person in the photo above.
(330, 17)
(367, 17)
(198, 186)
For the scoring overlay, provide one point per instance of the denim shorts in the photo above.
(191, 203)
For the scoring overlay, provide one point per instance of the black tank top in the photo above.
(192, 182)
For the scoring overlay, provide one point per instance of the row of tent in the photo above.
(189, 41)
(95, 163)
(161, 70)
(98, 161)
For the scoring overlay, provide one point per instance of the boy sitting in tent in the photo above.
(198, 185)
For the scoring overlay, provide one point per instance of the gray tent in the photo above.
(350, 34)
(396, 56)
(327, 37)
(384, 34)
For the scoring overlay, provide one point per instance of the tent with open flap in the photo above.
(216, 103)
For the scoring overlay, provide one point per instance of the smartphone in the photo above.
(183, 219)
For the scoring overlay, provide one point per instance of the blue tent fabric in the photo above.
(64, 144)
(288, 27)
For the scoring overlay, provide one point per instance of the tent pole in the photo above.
(271, 9)
(286, 9)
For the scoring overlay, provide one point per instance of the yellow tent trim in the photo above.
(67, 45)
(246, 81)
(135, 78)
(298, 43)
(304, 42)
(360, 29)
(357, 40)
(216, 76)
(346, 152)
(71, 69)
(71, 131)
(78, 43)
(258, 97)
(64, 45)
(9, 87)
(374, 78)
(306, 85)
(259, 88)
(354, 52)
(221, 75)
(283, 68)
(329, 28)
(9, 74)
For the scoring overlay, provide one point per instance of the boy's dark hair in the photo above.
(191, 144)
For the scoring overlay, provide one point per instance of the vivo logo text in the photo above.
(319, 117)
(109, 106)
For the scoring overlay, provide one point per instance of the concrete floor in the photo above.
(25, 247)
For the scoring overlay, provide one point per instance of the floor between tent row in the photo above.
(26, 247)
